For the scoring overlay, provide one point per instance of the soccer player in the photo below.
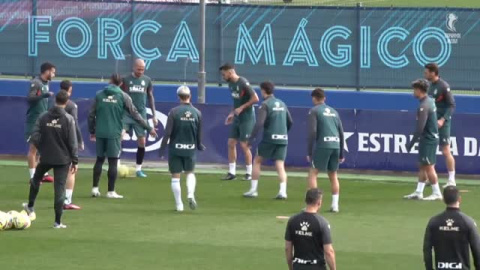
(139, 87)
(183, 135)
(72, 109)
(450, 234)
(325, 144)
(37, 104)
(242, 119)
(55, 137)
(426, 133)
(276, 121)
(308, 242)
(439, 90)
(105, 126)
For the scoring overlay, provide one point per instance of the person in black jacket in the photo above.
(55, 137)
(450, 234)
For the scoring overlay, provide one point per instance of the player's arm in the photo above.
(450, 101)
(132, 110)
(289, 120)
(261, 118)
(312, 132)
(289, 233)
(200, 145)
(168, 133)
(474, 239)
(36, 133)
(422, 117)
(72, 141)
(151, 100)
(327, 244)
(77, 126)
(330, 256)
(289, 254)
(92, 118)
(341, 136)
(427, 248)
(35, 94)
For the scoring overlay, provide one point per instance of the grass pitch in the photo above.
(375, 229)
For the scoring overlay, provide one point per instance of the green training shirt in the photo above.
(325, 129)
(241, 92)
(37, 99)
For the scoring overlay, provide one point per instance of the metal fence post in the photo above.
(201, 70)
(358, 50)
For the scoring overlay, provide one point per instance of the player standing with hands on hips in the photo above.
(426, 134)
(242, 119)
(139, 87)
(450, 234)
(325, 144)
(55, 137)
(105, 126)
(308, 242)
(37, 104)
(439, 90)
(183, 134)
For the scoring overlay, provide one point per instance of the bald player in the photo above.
(139, 87)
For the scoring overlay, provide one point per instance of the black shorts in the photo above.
(297, 266)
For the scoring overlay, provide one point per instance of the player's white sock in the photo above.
(451, 176)
(253, 185)
(420, 187)
(436, 189)
(249, 169)
(32, 172)
(68, 196)
(118, 164)
(191, 184)
(139, 167)
(335, 199)
(283, 188)
(46, 174)
(177, 190)
(232, 168)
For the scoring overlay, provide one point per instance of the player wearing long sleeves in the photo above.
(55, 137)
(426, 134)
(242, 119)
(275, 120)
(325, 144)
(37, 98)
(105, 126)
(439, 90)
(140, 88)
(450, 234)
(183, 134)
(72, 109)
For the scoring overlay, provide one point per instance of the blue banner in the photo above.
(375, 140)
(331, 46)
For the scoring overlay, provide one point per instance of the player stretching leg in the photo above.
(439, 90)
(276, 121)
(325, 144)
(139, 87)
(183, 135)
(105, 127)
(242, 119)
(72, 109)
(38, 104)
(426, 133)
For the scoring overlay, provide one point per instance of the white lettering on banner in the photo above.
(471, 147)
(382, 142)
(162, 120)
